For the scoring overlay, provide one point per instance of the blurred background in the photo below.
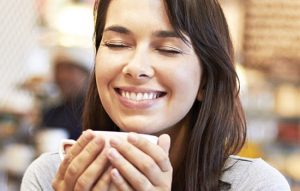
(46, 54)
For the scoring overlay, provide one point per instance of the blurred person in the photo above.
(71, 68)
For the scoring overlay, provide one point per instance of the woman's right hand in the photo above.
(85, 166)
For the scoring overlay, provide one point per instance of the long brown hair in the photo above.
(218, 127)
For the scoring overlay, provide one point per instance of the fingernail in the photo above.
(113, 153)
(114, 141)
(115, 173)
(88, 134)
(132, 137)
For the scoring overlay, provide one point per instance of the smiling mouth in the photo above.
(140, 96)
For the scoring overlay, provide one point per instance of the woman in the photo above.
(162, 68)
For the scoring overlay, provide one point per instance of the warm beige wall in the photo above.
(234, 13)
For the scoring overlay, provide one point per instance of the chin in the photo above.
(137, 128)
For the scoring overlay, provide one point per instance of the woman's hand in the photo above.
(85, 166)
(139, 164)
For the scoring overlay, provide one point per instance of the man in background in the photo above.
(71, 67)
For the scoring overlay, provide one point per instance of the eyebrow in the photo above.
(159, 34)
(118, 29)
(166, 34)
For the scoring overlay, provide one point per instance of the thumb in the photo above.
(164, 141)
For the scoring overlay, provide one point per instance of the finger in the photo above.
(83, 140)
(133, 176)
(103, 182)
(143, 162)
(164, 141)
(82, 161)
(113, 187)
(94, 171)
(118, 181)
(61, 172)
(157, 153)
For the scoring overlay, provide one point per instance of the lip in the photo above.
(141, 104)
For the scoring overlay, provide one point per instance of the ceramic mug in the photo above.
(107, 135)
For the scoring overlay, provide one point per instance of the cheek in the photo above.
(105, 68)
(184, 80)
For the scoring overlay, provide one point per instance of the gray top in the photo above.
(244, 174)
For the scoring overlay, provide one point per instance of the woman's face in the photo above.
(147, 77)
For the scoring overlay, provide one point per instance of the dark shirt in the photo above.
(67, 115)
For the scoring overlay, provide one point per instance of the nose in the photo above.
(139, 67)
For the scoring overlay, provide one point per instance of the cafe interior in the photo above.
(266, 38)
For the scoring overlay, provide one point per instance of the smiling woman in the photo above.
(151, 59)
(163, 68)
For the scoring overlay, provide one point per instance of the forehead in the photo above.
(142, 13)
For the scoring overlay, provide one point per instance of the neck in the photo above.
(178, 147)
(179, 139)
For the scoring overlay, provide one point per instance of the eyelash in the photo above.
(115, 45)
(169, 50)
(163, 50)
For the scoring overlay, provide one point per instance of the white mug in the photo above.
(107, 135)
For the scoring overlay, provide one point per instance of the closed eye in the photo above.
(116, 45)
(169, 50)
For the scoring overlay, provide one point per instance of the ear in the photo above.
(200, 94)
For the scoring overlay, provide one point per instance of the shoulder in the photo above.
(48, 161)
(253, 174)
(40, 172)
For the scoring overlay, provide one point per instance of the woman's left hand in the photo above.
(141, 165)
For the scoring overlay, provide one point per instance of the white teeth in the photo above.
(132, 96)
(145, 96)
(139, 96)
(151, 95)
